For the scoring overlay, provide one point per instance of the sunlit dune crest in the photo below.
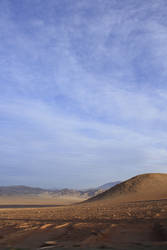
(142, 187)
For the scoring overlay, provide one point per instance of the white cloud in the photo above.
(77, 92)
(47, 140)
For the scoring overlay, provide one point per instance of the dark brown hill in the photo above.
(141, 187)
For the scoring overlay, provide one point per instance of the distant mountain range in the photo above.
(21, 190)
(142, 187)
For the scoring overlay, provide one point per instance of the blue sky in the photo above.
(83, 91)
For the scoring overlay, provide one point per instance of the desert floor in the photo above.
(132, 225)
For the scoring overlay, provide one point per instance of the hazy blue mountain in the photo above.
(20, 190)
(108, 185)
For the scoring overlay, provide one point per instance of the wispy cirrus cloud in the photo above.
(42, 136)
(82, 91)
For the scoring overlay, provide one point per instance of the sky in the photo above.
(83, 91)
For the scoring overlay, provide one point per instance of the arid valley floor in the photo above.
(135, 225)
(103, 223)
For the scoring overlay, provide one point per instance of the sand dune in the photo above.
(142, 187)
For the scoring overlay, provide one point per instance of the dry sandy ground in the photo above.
(39, 200)
(133, 225)
(113, 220)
